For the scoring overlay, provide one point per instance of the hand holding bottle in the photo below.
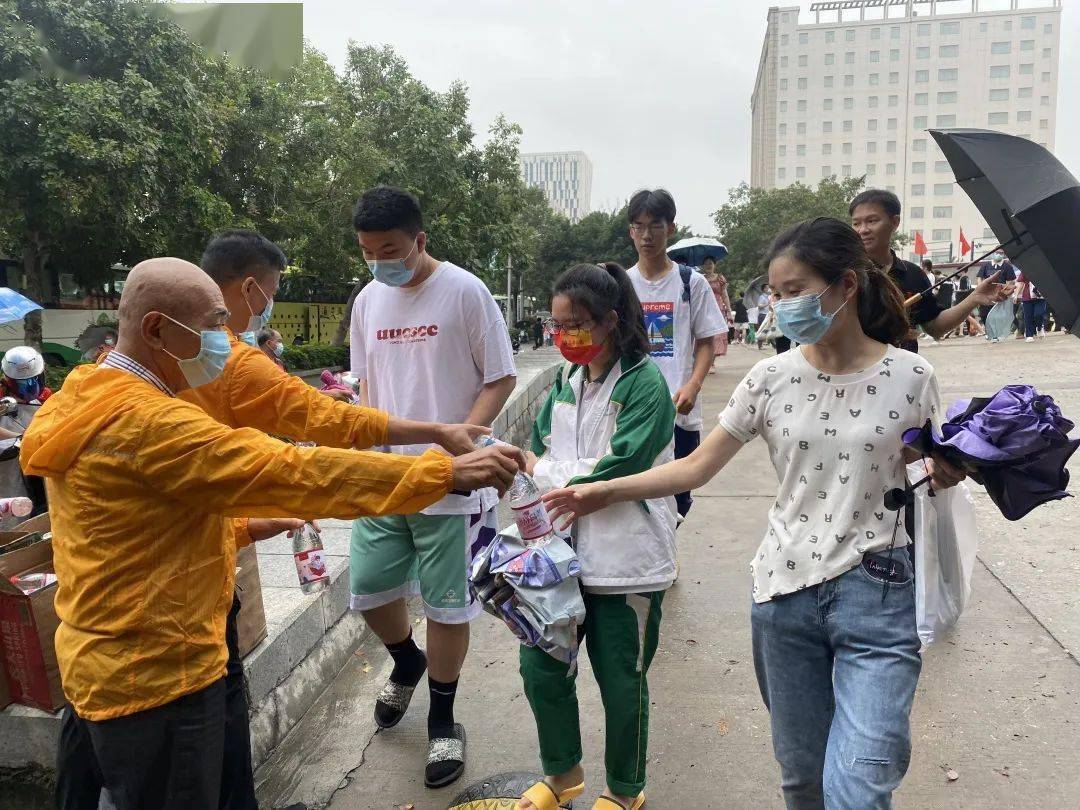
(493, 465)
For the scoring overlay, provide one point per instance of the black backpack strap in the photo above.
(685, 272)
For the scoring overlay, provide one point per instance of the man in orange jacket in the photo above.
(144, 490)
(254, 392)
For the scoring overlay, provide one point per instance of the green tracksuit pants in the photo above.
(620, 633)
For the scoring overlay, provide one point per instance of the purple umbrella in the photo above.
(1014, 443)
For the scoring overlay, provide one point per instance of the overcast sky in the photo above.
(656, 92)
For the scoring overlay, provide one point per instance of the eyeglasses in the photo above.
(553, 325)
(652, 227)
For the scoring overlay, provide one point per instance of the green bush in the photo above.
(55, 376)
(314, 356)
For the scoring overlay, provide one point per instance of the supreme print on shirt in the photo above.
(836, 444)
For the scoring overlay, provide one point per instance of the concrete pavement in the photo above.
(998, 702)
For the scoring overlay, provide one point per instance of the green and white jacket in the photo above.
(614, 427)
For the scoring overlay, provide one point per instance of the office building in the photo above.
(853, 92)
(565, 177)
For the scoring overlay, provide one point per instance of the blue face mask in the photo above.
(801, 319)
(207, 365)
(279, 350)
(257, 322)
(393, 272)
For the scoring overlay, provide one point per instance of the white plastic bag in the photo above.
(946, 542)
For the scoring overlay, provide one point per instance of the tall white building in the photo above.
(565, 177)
(853, 92)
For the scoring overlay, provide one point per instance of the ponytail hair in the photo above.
(831, 248)
(601, 288)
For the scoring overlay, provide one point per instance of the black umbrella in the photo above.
(1031, 202)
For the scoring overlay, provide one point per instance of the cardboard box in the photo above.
(5, 693)
(251, 621)
(28, 623)
(24, 534)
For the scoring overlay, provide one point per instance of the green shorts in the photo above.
(398, 556)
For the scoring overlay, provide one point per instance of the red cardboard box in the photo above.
(28, 623)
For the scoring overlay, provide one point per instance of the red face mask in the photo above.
(578, 346)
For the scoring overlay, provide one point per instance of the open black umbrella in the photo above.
(1031, 202)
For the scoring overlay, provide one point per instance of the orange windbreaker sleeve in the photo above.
(253, 392)
(187, 455)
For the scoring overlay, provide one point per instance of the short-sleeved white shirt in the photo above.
(426, 352)
(836, 444)
(674, 326)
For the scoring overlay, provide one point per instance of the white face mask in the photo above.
(257, 321)
(209, 363)
(394, 272)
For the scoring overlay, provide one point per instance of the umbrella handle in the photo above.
(910, 302)
(918, 484)
(897, 498)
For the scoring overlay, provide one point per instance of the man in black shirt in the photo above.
(875, 216)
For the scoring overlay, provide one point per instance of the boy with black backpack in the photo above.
(681, 316)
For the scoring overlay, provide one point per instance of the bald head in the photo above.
(165, 304)
(171, 286)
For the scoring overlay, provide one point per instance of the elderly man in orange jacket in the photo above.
(144, 493)
(254, 392)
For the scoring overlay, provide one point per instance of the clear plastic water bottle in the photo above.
(16, 507)
(30, 583)
(310, 560)
(524, 495)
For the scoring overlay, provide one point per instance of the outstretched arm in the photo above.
(986, 293)
(682, 475)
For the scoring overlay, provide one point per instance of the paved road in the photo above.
(999, 701)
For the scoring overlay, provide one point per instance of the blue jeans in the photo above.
(837, 666)
(1034, 316)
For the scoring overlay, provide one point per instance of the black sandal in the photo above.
(446, 758)
(392, 703)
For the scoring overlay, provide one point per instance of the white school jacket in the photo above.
(616, 427)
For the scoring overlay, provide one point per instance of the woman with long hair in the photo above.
(833, 611)
(609, 414)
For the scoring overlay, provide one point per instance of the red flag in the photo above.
(920, 245)
(965, 246)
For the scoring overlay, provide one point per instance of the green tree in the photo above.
(599, 236)
(477, 211)
(753, 217)
(294, 155)
(106, 137)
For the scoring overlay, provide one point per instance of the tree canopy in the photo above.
(123, 139)
(753, 217)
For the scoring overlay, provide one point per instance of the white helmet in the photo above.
(22, 363)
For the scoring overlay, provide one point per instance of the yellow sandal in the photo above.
(543, 796)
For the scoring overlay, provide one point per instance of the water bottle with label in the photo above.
(530, 514)
(16, 507)
(310, 560)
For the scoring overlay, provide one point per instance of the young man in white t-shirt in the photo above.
(680, 331)
(428, 341)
